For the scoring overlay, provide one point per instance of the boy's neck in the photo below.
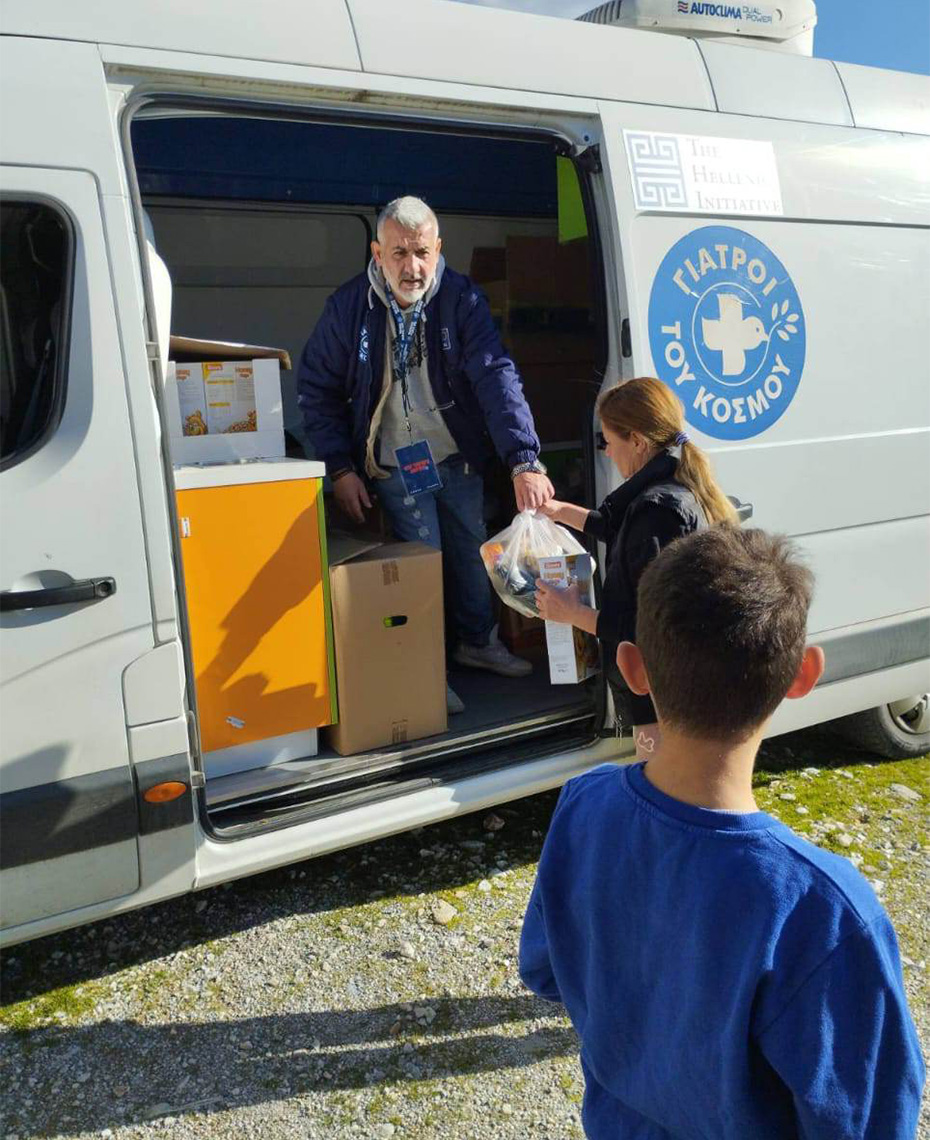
(714, 774)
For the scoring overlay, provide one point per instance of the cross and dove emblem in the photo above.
(732, 334)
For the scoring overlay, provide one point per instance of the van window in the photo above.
(35, 259)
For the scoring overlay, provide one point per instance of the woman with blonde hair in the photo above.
(669, 491)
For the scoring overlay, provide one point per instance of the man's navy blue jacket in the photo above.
(476, 385)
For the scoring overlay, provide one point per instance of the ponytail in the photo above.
(649, 407)
(694, 473)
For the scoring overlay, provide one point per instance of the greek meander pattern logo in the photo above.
(655, 164)
(727, 331)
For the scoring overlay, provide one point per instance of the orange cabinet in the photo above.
(254, 553)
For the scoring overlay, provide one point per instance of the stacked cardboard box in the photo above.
(539, 291)
(544, 274)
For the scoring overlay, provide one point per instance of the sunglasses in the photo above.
(600, 442)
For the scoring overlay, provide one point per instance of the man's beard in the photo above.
(414, 294)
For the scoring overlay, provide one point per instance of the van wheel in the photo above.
(898, 731)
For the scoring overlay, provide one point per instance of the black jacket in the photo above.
(635, 522)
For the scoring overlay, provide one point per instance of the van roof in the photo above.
(460, 43)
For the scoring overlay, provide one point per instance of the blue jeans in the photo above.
(452, 520)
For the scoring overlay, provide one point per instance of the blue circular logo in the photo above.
(727, 331)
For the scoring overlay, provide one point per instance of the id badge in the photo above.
(417, 468)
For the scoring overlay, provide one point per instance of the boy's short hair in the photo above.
(721, 625)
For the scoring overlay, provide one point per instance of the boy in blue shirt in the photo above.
(728, 980)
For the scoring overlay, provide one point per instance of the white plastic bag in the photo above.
(511, 558)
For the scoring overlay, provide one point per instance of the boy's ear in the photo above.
(631, 665)
(809, 673)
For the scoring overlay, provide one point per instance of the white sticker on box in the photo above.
(191, 399)
(703, 174)
(230, 390)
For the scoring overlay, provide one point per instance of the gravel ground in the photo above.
(374, 993)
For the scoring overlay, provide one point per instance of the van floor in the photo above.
(490, 702)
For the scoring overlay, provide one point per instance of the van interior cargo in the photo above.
(258, 221)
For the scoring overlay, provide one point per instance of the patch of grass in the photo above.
(890, 834)
(410, 1090)
(214, 998)
(857, 798)
(151, 986)
(64, 1005)
(378, 1105)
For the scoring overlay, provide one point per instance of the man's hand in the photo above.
(351, 496)
(532, 490)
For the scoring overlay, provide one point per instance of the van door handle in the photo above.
(85, 590)
(743, 510)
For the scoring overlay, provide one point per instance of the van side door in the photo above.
(75, 606)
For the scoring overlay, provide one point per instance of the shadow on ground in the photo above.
(190, 1067)
(419, 862)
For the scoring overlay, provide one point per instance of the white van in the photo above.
(260, 145)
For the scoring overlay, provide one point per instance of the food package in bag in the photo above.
(512, 557)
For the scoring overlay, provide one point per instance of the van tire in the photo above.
(897, 731)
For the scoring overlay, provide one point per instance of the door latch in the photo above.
(743, 510)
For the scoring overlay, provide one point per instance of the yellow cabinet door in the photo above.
(258, 608)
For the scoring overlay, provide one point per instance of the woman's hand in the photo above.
(551, 509)
(568, 514)
(559, 603)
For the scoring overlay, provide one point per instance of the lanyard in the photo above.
(404, 338)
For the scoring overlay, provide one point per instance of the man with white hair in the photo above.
(406, 389)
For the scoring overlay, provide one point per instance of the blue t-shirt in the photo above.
(728, 980)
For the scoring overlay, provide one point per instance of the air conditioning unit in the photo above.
(788, 26)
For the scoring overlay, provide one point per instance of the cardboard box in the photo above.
(488, 263)
(562, 403)
(222, 405)
(542, 272)
(573, 654)
(390, 646)
(523, 636)
(575, 350)
(496, 293)
(565, 465)
(194, 350)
